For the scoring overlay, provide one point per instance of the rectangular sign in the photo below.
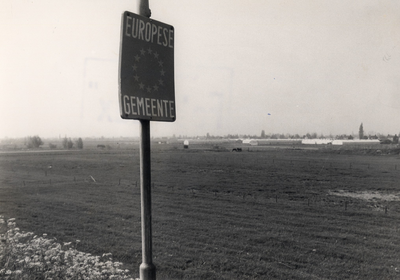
(146, 69)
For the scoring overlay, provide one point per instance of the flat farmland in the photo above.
(265, 214)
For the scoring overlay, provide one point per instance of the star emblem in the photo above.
(147, 83)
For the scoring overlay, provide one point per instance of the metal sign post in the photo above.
(146, 93)
(147, 268)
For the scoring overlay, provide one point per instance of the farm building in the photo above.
(266, 142)
(251, 142)
(338, 142)
(263, 142)
(316, 141)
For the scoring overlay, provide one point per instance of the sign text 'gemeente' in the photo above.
(146, 69)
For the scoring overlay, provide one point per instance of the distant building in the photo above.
(250, 142)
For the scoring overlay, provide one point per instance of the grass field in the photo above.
(266, 214)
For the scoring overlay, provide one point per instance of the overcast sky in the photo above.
(240, 67)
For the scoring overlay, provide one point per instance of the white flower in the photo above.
(38, 252)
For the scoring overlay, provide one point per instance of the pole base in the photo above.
(147, 271)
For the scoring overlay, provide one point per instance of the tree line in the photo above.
(34, 142)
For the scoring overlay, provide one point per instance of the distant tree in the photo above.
(314, 136)
(34, 142)
(361, 132)
(262, 134)
(65, 143)
(79, 143)
(350, 137)
(395, 139)
(70, 144)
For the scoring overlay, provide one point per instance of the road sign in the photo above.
(146, 69)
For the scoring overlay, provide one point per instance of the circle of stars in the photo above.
(160, 82)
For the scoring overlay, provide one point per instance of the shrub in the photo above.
(386, 141)
(70, 144)
(27, 256)
(34, 142)
(79, 143)
(67, 143)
